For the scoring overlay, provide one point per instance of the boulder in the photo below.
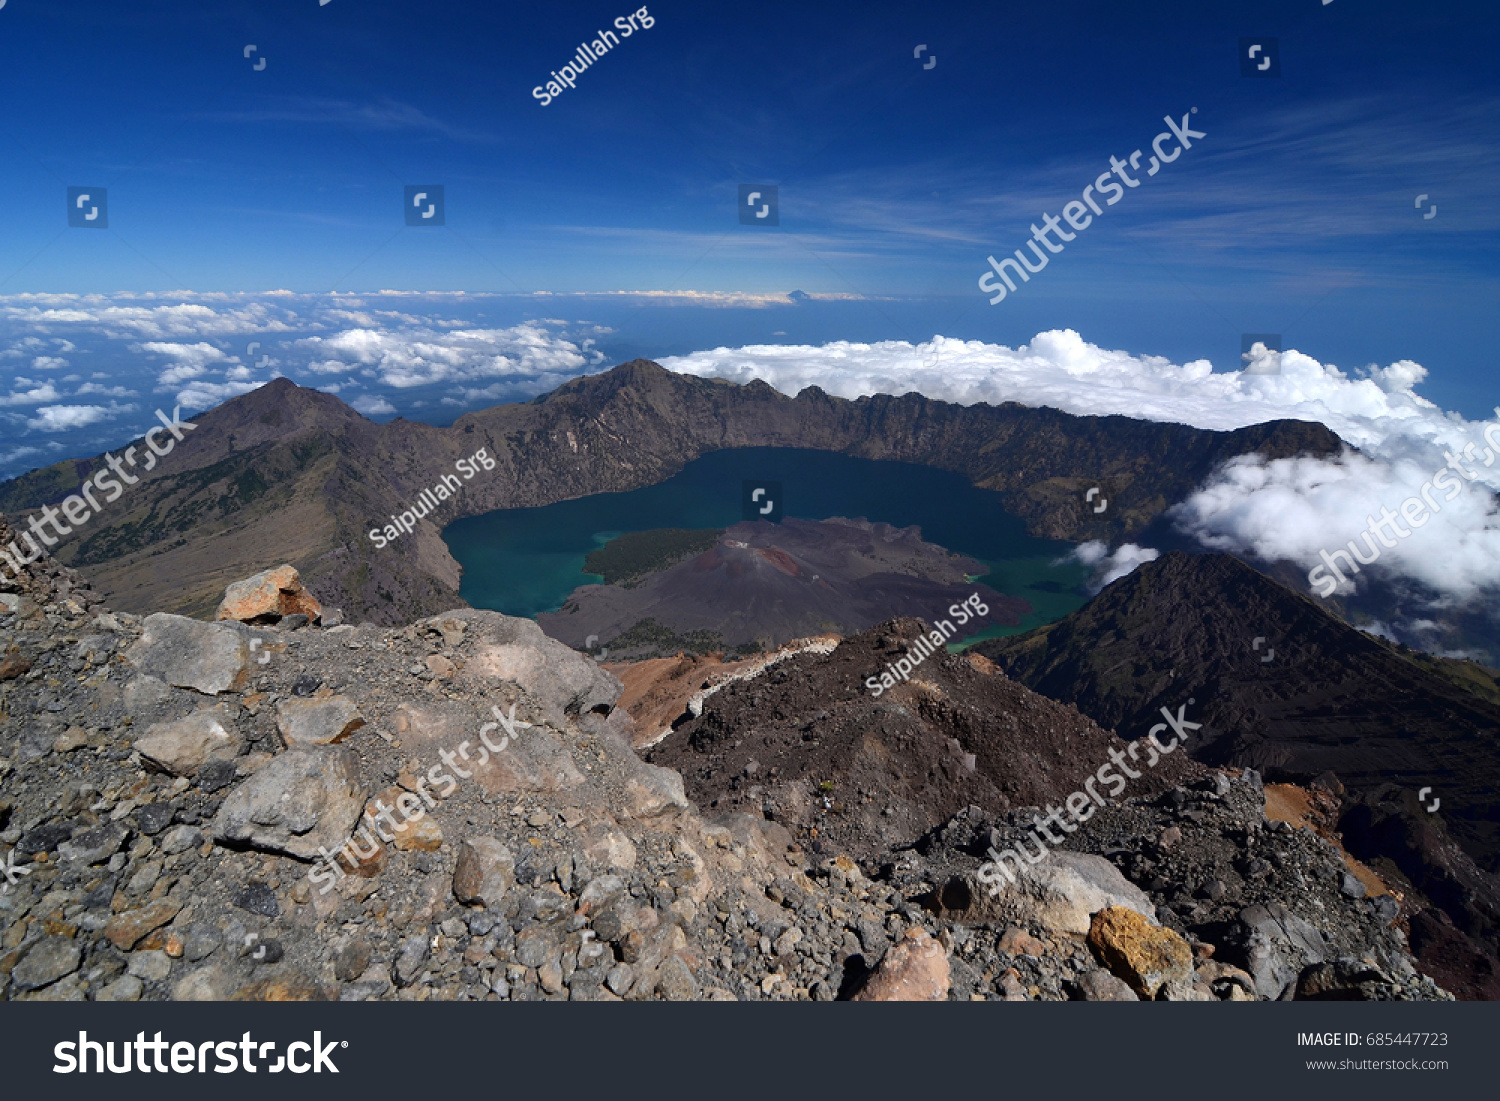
(1146, 956)
(1061, 893)
(186, 653)
(1275, 946)
(503, 648)
(185, 746)
(307, 798)
(318, 721)
(915, 970)
(535, 760)
(267, 597)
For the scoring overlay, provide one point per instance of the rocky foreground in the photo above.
(276, 806)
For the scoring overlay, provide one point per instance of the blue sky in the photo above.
(1295, 214)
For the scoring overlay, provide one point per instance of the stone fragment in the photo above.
(305, 799)
(411, 959)
(267, 597)
(127, 988)
(187, 653)
(180, 839)
(409, 824)
(1146, 956)
(1101, 986)
(507, 648)
(1345, 980)
(675, 982)
(1016, 941)
(207, 984)
(183, 747)
(317, 721)
(485, 871)
(257, 898)
(915, 970)
(351, 961)
(95, 846)
(150, 966)
(125, 930)
(48, 960)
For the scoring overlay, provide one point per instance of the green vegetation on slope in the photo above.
(637, 553)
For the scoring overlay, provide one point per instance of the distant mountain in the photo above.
(1283, 686)
(293, 474)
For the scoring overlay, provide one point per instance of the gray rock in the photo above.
(601, 891)
(49, 960)
(216, 775)
(1346, 980)
(96, 845)
(351, 961)
(504, 648)
(675, 982)
(143, 694)
(199, 941)
(257, 898)
(207, 984)
(306, 798)
(619, 978)
(187, 653)
(484, 873)
(150, 966)
(535, 945)
(1350, 886)
(1102, 986)
(1275, 946)
(180, 839)
(317, 721)
(155, 817)
(411, 959)
(183, 747)
(125, 989)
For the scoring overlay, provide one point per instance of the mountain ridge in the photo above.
(291, 473)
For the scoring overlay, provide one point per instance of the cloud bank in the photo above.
(1288, 509)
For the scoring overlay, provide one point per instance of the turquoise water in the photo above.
(526, 561)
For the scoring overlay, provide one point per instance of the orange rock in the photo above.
(1146, 956)
(268, 595)
(421, 832)
(125, 930)
(915, 970)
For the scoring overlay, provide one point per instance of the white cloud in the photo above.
(61, 418)
(123, 317)
(1289, 509)
(1109, 567)
(204, 395)
(48, 363)
(372, 405)
(17, 454)
(424, 357)
(44, 392)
